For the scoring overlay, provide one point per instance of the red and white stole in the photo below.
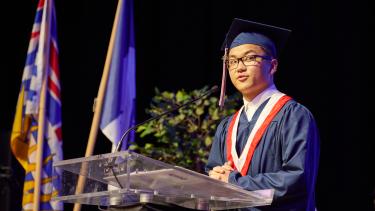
(242, 163)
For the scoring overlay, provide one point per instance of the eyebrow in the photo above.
(246, 52)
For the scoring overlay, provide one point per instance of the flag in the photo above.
(42, 58)
(119, 102)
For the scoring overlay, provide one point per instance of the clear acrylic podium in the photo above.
(127, 178)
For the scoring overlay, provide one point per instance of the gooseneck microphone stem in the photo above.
(212, 90)
(112, 163)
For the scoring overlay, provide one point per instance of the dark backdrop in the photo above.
(326, 66)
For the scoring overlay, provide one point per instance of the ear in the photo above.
(274, 64)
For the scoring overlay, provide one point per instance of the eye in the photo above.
(250, 58)
(232, 62)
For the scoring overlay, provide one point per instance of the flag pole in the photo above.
(44, 53)
(39, 150)
(98, 105)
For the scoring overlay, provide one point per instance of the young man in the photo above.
(272, 142)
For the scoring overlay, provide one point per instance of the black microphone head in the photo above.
(214, 88)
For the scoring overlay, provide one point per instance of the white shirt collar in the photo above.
(251, 106)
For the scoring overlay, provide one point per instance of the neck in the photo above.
(249, 96)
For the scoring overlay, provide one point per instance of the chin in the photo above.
(244, 88)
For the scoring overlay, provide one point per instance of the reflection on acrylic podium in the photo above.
(126, 178)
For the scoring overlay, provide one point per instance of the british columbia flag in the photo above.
(41, 64)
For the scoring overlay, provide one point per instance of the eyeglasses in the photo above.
(248, 60)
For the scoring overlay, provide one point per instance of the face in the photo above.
(253, 78)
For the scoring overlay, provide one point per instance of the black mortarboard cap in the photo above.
(277, 35)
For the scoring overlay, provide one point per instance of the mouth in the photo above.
(242, 78)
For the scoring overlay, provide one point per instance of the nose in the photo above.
(241, 66)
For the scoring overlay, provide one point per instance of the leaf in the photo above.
(215, 114)
(181, 96)
(213, 100)
(167, 95)
(141, 128)
(208, 141)
(199, 111)
(148, 146)
(198, 102)
(192, 128)
(204, 125)
(181, 116)
(206, 102)
(157, 92)
(160, 133)
(148, 130)
(133, 147)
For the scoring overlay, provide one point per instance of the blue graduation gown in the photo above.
(286, 158)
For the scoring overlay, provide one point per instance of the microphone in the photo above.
(212, 90)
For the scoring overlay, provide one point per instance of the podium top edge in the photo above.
(94, 157)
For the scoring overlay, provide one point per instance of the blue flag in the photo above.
(119, 103)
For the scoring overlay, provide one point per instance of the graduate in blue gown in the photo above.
(272, 142)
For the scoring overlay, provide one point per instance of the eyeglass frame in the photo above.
(254, 56)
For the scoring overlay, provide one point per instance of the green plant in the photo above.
(182, 138)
